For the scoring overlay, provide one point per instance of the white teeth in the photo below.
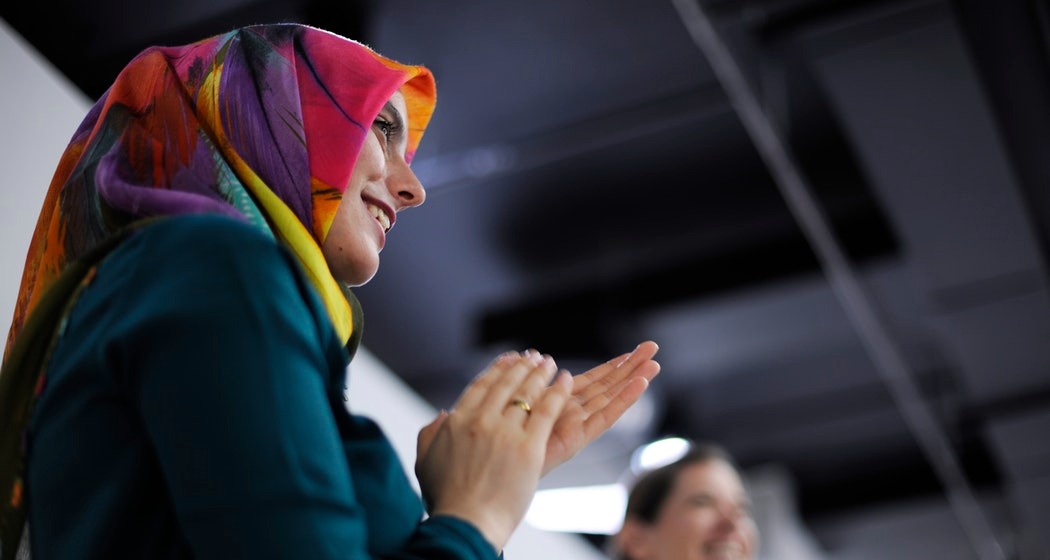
(378, 213)
(725, 550)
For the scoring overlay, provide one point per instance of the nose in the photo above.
(406, 187)
(743, 526)
(733, 520)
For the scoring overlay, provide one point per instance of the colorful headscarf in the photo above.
(263, 124)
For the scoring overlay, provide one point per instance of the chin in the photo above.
(362, 276)
(358, 283)
(355, 269)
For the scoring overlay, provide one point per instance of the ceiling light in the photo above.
(596, 510)
(658, 453)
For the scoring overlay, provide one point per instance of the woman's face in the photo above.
(705, 516)
(381, 185)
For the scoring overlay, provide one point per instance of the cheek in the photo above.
(370, 162)
(750, 530)
(351, 256)
(683, 526)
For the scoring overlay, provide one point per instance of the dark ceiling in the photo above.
(591, 185)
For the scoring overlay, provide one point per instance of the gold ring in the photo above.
(522, 404)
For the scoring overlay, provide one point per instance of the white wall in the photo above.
(40, 110)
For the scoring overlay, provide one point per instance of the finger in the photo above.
(623, 364)
(428, 432)
(531, 387)
(505, 388)
(584, 379)
(500, 362)
(643, 352)
(602, 418)
(546, 412)
(638, 362)
(596, 400)
(474, 393)
(528, 389)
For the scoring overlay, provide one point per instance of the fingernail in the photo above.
(508, 357)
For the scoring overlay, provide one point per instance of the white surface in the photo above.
(596, 509)
(39, 110)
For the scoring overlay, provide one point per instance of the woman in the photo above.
(173, 380)
(695, 508)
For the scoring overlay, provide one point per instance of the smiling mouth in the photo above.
(724, 550)
(380, 216)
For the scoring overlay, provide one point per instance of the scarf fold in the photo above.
(262, 124)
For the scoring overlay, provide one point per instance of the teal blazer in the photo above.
(193, 408)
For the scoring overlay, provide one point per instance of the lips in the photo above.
(724, 549)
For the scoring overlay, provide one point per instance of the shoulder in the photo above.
(204, 261)
(176, 249)
(207, 274)
(203, 233)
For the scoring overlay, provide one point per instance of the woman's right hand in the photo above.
(482, 461)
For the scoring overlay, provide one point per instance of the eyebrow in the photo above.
(399, 122)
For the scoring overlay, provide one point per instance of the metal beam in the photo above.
(857, 304)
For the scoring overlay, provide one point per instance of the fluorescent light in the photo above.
(595, 509)
(658, 453)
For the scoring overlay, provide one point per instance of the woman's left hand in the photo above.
(600, 396)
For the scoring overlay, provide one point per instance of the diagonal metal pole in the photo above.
(857, 304)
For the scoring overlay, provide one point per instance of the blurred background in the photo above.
(602, 173)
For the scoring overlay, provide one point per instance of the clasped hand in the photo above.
(482, 461)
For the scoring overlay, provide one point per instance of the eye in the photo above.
(386, 128)
(702, 500)
(390, 127)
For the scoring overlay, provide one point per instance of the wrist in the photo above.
(492, 529)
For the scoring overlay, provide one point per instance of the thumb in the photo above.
(427, 434)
